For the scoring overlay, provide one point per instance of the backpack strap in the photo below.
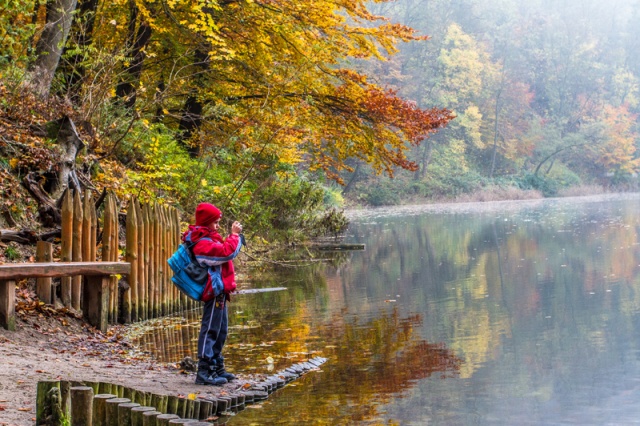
(190, 248)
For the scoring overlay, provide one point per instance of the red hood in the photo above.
(196, 233)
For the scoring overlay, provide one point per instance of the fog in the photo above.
(543, 90)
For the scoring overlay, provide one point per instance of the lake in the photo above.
(466, 314)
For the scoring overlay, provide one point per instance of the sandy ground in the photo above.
(60, 347)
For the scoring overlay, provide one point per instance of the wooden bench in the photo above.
(95, 286)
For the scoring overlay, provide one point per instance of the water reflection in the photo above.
(515, 313)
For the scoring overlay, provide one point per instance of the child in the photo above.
(210, 249)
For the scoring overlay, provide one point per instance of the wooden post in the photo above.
(156, 258)
(44, 253)
(94, 233)
(105, 388)
(189, 409)
(196, 409)
(177, 305)
(147, 260)
(165, 256)
(125, 413)
(100, 408)
(106, 246)
(206, 409)
(172, 404)
(81, 406)
(136, 414)
(164, 301)
(153, 292)
(92, 385)
(128, 393)
(48, 410)
(182, 421)
(163, 419)
(112, 410)
(8, 304)
(159, 401)
(142, 283)
(158, 238)
(182, 407)
(86, 227)
(65, 397)
(115, 249)
(66, 243)
(149, 418)
(76, 250)
(96, 301)
(131, 301)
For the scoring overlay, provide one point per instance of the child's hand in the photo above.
(236, 228)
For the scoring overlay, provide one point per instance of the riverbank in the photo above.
(52, 345)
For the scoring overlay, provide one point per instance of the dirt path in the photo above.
(60, 347)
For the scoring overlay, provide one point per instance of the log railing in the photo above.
(95, 286)
(152, 233)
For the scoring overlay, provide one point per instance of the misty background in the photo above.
(545, 93)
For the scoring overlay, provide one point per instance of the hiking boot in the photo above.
(205, 376)
(220, 371)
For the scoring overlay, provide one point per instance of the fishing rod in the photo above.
(258, 290)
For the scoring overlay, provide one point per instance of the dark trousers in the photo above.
(213, 329)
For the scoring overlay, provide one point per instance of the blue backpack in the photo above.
(189, 276)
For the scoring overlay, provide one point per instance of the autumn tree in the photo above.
(270, 78)
(51, 42)
(618, 154)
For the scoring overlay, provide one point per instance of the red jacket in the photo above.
(211, 250)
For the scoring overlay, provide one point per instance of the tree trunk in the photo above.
(51, 43)
(495, 136)
(192, 111)
(81, 34)
(189, 123)
(70, 145)
(137, 41)
(427, 153)
(354, 178)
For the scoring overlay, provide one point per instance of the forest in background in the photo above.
(281, 112)
(250, 104)
(545, 95)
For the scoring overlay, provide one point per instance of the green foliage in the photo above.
(288, 208)
(381, 193)
(625, 181)
(333, 197)
(332, 222)
(164, 170)
(16, 29)
(12, 253)
(550, 185)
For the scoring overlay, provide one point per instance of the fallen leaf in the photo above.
(24, 409)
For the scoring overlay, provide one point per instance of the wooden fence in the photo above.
(151, 235)
(100, 403)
